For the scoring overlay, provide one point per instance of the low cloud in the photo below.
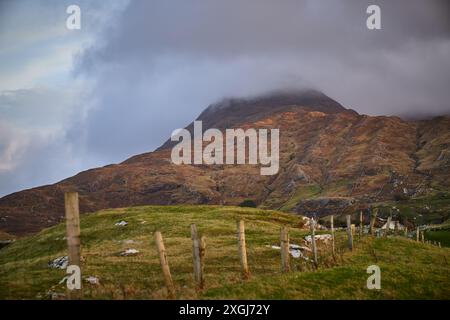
(34, 148)
(163, 62)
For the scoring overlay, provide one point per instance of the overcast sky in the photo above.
(75, 99)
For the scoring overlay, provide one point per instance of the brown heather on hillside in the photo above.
(331, 158)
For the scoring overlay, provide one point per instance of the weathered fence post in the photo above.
(417, 234)
(202, 256)
(349, 232)
(284, 244)
(242, 250)
(372, 221)
(388, 226)
(73, 236)
(164, 264)
(439, 244)
(360, 224)
(333, 245)
(197, 257)
(422, 236)
(312, 226)
(406, 232)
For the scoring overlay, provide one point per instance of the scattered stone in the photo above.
(92, 280)
(307, 223)
(303, 248)
(121, 223)
(59, 263)
(295, 250)
(56, 295)
(129, 252)
(319, 237)
(4, 243)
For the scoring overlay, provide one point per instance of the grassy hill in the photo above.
(409, 270)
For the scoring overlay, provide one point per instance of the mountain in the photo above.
(332, 160)
(232, 112)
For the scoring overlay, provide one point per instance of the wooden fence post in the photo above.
(73, 236)
(242, 250)
(349, 232)
(164, 265)
(333, 248)
(312, 226)
(361, 224)
(197, 257)
(417, 234)
(439, 244)
(372, 221)
(388, 226)
(202, 256)
(422, 236)
(284, 244)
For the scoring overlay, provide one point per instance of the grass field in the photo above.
(422, 210)
(442, 236)
(409, 270)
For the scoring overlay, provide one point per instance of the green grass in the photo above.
(6, 236)
(304, 192)
(338, 187)
(442, 236)
(410, 270)
(423, 210)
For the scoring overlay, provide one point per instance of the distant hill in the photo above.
(332, 160)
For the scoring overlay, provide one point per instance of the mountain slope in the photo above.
(330, 159)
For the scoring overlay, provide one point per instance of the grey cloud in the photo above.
(220, 29)
(42, 160)
(162, 62)
(39, 101)
(34, 149)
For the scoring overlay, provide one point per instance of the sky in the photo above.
(71, 100)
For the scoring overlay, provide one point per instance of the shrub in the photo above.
(398, 196)
(248, 203)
